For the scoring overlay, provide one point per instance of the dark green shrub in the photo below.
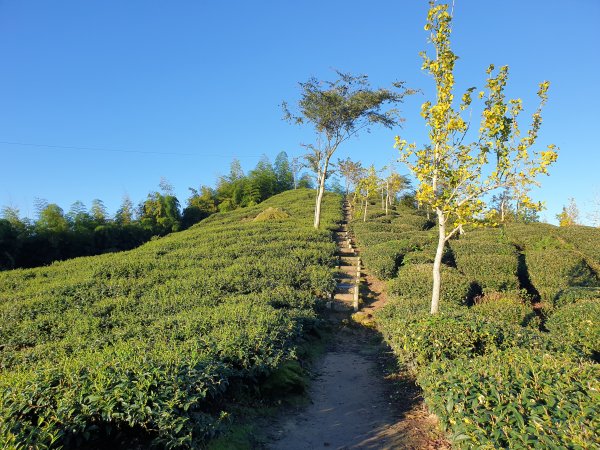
(420, 338)
(491, 263)
(584, 239)
(416, 281)
(553, 270)
(384, 259)
(577, 326)
(517, 398)
(509, 308)
(575, 294)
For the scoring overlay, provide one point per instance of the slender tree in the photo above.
(339, 110)
(350, 170)
(367, 187)
(454, 177)
(569, 215)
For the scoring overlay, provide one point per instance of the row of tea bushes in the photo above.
(142, 345)
(486, 257)
(493, 379)
(554, 265)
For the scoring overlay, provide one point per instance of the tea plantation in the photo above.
(144, 344)
(512, 359)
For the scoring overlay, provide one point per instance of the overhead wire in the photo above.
(146, 152)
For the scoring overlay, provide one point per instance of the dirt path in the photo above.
(357, 401)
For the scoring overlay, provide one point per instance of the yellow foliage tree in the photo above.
(453, 176)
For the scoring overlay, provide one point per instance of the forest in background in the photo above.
(58, 235)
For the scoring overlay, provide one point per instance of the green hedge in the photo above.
(493, 264)
(384, 259)
(578, 326)
(516, 399)
(509, 308)
(534, 236)
(575, 294)
(416, 281)
(553, 270)
(584, 239)
(419, 338)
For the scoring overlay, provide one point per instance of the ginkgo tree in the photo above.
(454, 176)
(366, 187)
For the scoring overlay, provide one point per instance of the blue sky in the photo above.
(149, 89)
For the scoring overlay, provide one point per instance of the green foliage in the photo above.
(584, 239)
(145, 343)
(552, 270)
(517, 398)
(384, 259)
(419, 338)
(487, 371)
(578, 326)
(415, 280)
(508, 308)
(271, 214)
(575, 294)
(487, 259)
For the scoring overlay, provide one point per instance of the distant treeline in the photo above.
(56, 235)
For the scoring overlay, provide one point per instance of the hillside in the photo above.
(512, 360)
(139, 346)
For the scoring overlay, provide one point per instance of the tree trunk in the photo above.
(437, 263)
(387, 196)
(321, 190)
(366, 204)
(382, 199)
(502, 210)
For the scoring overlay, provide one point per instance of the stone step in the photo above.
(344, 298)
(345, 276)
(339, 306)
(345, 288)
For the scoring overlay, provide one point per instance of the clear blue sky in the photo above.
(184, 86)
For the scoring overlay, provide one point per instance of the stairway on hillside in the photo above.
(349, 275)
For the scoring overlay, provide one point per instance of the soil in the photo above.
(358, 397)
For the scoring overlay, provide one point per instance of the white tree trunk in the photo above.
(437, 263)
(366, 204)
(320, 192)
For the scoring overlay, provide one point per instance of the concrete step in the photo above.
(344, 298)
(345, 288)
(346, 277)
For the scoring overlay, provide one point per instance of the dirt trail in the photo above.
(356, 400)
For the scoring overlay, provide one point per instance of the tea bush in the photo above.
(508, 308)
(516, 398)
(419, 338)
(146, 342)
(578, 326)
(584, 239)
(493, 379)
(553, 270)
(492, 263)
(575, 294)
(384, 259)
(415, 281)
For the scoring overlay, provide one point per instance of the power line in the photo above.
(145, 152)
